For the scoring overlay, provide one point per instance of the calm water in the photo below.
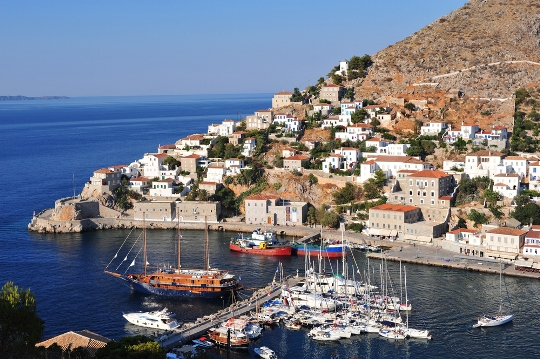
(48, 145)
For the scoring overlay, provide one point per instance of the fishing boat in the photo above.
(266, 248)
(178, 282)
(499, 318)
(265, 352)
(160, 319)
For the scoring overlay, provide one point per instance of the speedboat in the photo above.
(160, 319)
(393, 333)
(265, 352)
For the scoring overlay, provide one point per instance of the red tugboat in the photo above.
(265, 244)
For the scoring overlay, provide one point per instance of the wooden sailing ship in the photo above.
(181, 282)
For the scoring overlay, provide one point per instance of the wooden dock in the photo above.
(201, 326)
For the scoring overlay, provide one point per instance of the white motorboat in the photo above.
(160, 319)
(265, 352)
(324, 335)
(417, 333)
(499, 319)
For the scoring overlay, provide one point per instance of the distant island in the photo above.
(23, 98)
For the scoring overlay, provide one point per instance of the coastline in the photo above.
(431, 254)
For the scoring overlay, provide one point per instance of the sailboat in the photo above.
(499, 319)
(179, 282)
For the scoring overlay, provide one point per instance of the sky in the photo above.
(166, 47)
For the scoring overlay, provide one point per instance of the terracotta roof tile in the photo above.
(395, 207)
(507, 231)
(430, 174)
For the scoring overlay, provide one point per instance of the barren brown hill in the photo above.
(486, 49)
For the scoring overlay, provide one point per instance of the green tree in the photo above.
(330, 219)
(410, 106)
(136, 347)
(312, 215)
(313, 179)
(20, 326)
(527, 213)
(356, 227)
(462, 223)
(496, 211)
(491, 196)
(477, 217)
(297, 96)
(521, 199)
(359, 115)
(347, 194)
(172, 162)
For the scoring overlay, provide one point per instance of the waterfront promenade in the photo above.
(435, 255)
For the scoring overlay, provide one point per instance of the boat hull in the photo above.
(269, 251)
(314, 252)
(494, 322)
(192, 293)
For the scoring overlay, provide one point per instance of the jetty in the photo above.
(201, 326)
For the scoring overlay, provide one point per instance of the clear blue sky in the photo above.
(167, 47)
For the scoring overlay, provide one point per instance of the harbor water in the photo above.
(50, 148)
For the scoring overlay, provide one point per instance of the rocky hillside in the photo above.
(486, 49)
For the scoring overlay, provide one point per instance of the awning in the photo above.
(409, 237)
(503, 255)
(385, 232)
(373, 232)
(424, 239)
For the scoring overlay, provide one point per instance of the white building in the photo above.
(163, 188)
(138, 184)
(249, 146)
(356, 132)
(507, 184)
(516, 164)
(504, 242)
(531, 248)
(465, 235)
(534, 176)
(484, 163)
(152, 164)
(234, 166)
(390, 165)
(215, 172)
(394, 149)
(335, 162)
(433, 128)
(350, 155)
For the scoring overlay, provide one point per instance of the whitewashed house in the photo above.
(394, 149)
(350, 155)
(516, 164)
(227, 127)
(249, 146)
(333, 121)
(376, 142)
(484, 163)
(152, 164)
(335, 162)
(138, 184)
(233, 166)
(531, 248)
(215, 172)
(534, 176)
(507, 184)
(433, 128)
(390, 165)
(163, 188)
(465, 235)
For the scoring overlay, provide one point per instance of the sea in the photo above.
(50, 148)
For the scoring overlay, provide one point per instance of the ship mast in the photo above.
(207, 259)
(179, 236)
(144, 241)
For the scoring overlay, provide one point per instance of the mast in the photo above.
(144, 241)
(179, 236)
(406, 296)
(207, 259)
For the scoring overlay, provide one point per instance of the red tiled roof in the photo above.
(499, 185)
(395, 207)
(193, 155)
(297, 158)
(84, 338)
(459, 230)
(166, 180)
(445, 198)
(118, 166)
(430, 174)
(515, 158)
(194, 137)
(103, 170)
(167, 146)
(499, 128)
(361, 125)
(161, 155)
(533, 234)
(284, 93)
(507, 231)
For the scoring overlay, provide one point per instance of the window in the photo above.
(432, 193)
(432, 201)
(422, 201)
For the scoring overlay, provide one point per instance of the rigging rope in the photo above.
(125, 258)
(118, 251)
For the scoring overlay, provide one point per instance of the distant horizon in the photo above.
(125, 48)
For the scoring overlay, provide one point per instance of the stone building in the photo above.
(168, 210)
(281, 99)
(266, 209)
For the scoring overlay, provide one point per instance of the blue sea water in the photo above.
(49, 149)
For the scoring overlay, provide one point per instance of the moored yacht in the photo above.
(160, 319)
